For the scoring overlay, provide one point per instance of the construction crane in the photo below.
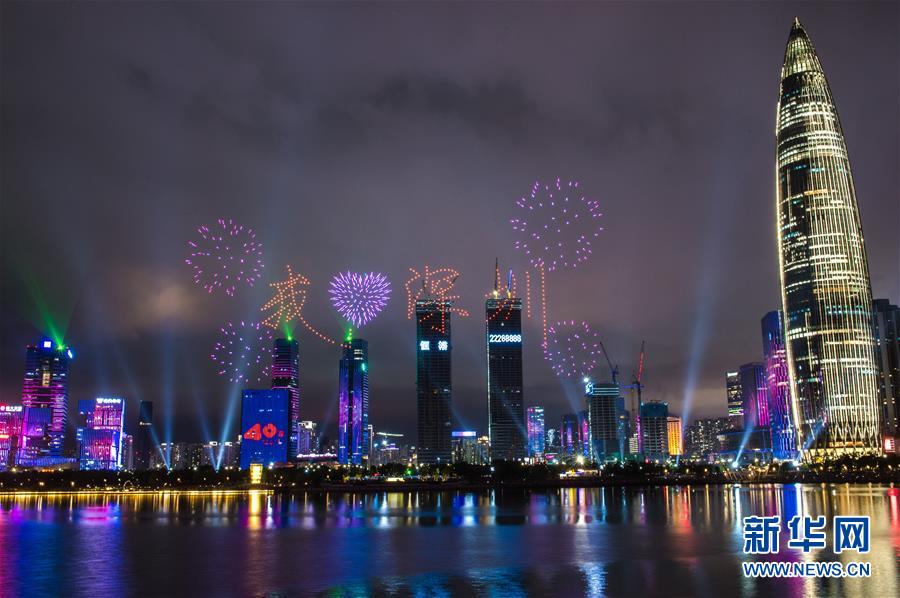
(638, 386)
(613, 369)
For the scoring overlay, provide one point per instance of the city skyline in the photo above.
(153, 348)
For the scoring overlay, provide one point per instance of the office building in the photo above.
(754, 395)
(11, 420)
(265, 429)
(655, 430)
(353, 404)
(308, 438)
(434, 349)
(887, 341)
(607, 439)
(503, 339)
(46, 386)
(701, 437)
(466, 448)
(778, 390)
(826, 292)
(673, 427)
(536, 438)
(734, 399)
(286, 375)
(100, 433)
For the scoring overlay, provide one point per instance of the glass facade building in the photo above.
(144, 444)
(286, 375)
(655, 430)
(887, 341)
(101, 433)
(503, 340)
(605, 410)
(733, 396)
(433, 380)
(778, 390)
(754, 395)
(265, 430)
(46, 386)
(353, 404)
(535, 418)
(825, 287)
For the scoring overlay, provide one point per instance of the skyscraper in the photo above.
(46, 386)
(10, 433)
(265, 429)
(309, 438)
(674, 434)
(733, 396)
(887, 339)
(353, 403)
(754, 395)
(101, 433)
(286, 374)
(144, 445)
(433, 380)
(535, 418)
(655, 430)
(778, 392)
(506, 412)
(605, 406)
(825, 287)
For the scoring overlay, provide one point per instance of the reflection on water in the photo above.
(616, 541)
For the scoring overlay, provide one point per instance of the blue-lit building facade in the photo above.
(781, 421)
(655, 431)
(434, 349)
(506, 410)
(265, 427)
(536, 438)
(754, 395)
(100, 434)
(353, 403)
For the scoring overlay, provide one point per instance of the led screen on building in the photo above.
(264, 427)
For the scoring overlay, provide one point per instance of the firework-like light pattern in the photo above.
(359, 297)
(286, 306)
(572, 349)
(225, 256)
(243, 352)
(435, 283)
(558, 226)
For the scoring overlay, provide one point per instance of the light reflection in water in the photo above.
(569, 541)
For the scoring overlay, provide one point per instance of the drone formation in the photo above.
(556, 229)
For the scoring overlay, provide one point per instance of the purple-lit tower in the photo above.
(778, 386)
(46, 386)
(754, 395)
(353, 405)
(286, 375)
(100, 433)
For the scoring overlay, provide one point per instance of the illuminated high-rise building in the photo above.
(46, 386)
(825, 287)
(887, 340)
(144, 443)
(503, 336)
(265, 430)
(655, 430)
(433, 380)
(733, 396)
(778, 390)
(10, 432)
(353, 404)
(754, 395)
(308, 438)
(535, 418)
(605, 410)
(286, 375)
(100, 433)
(675, 435)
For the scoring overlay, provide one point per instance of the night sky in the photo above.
(381, 137)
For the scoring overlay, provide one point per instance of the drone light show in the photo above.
(224, 256)
(572, 348)
(359, 297)
(286, 306)
(243, 352)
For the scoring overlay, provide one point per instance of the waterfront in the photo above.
(618, 541)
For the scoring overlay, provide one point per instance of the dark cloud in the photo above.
(380, 137)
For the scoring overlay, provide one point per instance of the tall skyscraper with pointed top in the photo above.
(506, 412)
(434, 386)
(825, 287)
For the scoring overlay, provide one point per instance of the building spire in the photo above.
(496, 275)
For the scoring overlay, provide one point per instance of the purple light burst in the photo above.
(359, 297)
(243, 352)
(572, 349)
(225, 256)
(558, 225)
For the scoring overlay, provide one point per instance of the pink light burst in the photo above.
(359, 297)
(558, 225)
(572, 349)
(243, 352)
(224, 256)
